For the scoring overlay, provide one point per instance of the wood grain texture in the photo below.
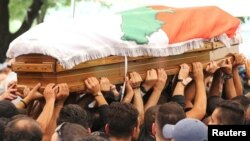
(111, 67)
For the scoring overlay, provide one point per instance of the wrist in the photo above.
(184, 81)
(51, 100)
(227, 76)
(97, 94)
(145, 88)
(28, 99)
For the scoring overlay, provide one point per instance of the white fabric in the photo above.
(11, 77)
(73, 42)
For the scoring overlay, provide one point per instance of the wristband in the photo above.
(24, 103)
(228, 76)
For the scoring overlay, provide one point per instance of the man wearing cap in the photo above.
(188, 129)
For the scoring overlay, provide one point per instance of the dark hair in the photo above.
(212, 103)
(73, 113)
(24, 128)
(122, 119)
(243, 100)
(3, 123)
(71, 131)
(7, 109)
(149, 119)
(231, 113)
(93, 138)
(169, 113)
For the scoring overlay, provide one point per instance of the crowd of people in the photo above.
(160, 108)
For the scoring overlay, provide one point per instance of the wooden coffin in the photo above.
(34, 68)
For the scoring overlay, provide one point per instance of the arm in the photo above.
(200, 101)
(158, 87)
(150, 80)
(239, 60)
(137, 101)
(189, 94)
(93, 86)
(237, 82)
(30, 96)
(215, 89)
(183, 80)
(61, 96)
(247, 66)
(10, 94)
(211, 70)
(48, 109)
(129, 92)
(228, 81)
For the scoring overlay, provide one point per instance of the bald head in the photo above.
(23, 128)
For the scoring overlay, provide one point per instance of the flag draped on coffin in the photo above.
(144, 31)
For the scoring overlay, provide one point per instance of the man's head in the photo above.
(149, 119)
(122, 120)
(23, 128)
(168, 113)
(8, 109)
(187, 129)
(3, 123)
(243, 100)
(212, 103)
(227, 113)
(69, 132)
(73, 113)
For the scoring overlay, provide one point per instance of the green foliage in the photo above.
(18, 9)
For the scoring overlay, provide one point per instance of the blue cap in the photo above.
(187, 129)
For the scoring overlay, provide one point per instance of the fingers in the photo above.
(198, 71)
(12, 84)
(36, 88)
(93, 85)
(135, 79)
(49, 92)
(184, 71)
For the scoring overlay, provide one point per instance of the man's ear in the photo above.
(154, 129)
(135, 132)
(107, 129)
(89, 130)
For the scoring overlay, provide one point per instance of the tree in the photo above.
(29, 12)
(5, 35)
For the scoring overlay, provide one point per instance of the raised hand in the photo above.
(184, 71)
(240, 59)
(34, 93)
(93, 85)
(62, 93)
(198, 71)
(105, 84)
(50, 92)
(136, 80)
(161, 80)
(11, 92)
(212, 67)
(150, 80)
(247, 65)
(227, 67)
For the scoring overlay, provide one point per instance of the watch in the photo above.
(228, 76)
(185, 81)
